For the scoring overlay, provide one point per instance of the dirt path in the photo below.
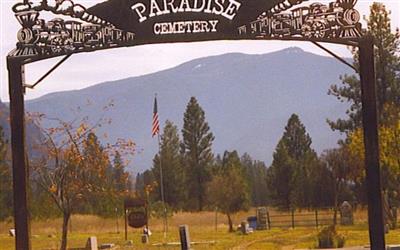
(247, 244)
(287, 247)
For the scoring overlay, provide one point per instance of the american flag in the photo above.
(155, 129)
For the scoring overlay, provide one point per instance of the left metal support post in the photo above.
(19, 166)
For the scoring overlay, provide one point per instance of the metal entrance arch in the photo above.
(111, 25)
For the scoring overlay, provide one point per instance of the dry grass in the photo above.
(46, 234)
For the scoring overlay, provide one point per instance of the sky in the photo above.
(86, 69)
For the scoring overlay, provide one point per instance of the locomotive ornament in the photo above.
(339, 19)
(84, 32)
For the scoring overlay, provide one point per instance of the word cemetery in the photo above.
(185, 27)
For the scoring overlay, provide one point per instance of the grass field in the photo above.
(46, 234)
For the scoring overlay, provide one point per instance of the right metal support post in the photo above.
(370, 125)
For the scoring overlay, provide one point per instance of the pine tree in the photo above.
(231, 160)
(247, 162)
(387, 63)
(196, 150)
(147, 187)
(256, 173)
(279, 177)
(291, 170)
(119, 175)
(260, 188)
(94, 154)
(139, 184)
(296, 139)
(171, 163)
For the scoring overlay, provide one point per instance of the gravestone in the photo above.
(184, 237)
(261, 218)
(394, 204)
(91, 243)
(145, 238)
(346, 214)
(108, 246)
(243, 227)
(393, 247)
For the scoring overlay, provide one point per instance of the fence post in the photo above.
(316, 218)
(126, 224)
(216, 219)
(293, 218)
(268, 220)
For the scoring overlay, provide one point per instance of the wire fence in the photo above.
(293, 218)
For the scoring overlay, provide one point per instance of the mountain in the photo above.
(247, 100)
(33, 134)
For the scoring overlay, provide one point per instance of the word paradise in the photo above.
(225, 8)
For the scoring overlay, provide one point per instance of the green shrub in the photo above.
(157, 210)
(329, 238)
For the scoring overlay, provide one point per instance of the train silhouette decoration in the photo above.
(338, 19)
(39, 38)
(62, 37)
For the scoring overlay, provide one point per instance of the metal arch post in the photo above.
(370, 125)
(19, 166)
(16, 84)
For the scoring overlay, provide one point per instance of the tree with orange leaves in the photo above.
(74, 165)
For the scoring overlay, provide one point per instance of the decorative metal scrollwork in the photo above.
(338, 20)
(84, 31)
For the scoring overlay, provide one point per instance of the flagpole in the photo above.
(161, 172)
(162, 189)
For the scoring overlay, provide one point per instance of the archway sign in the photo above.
(132, 22)
(121, 23)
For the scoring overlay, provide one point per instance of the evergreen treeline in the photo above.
(195, 180)
(191, 174)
